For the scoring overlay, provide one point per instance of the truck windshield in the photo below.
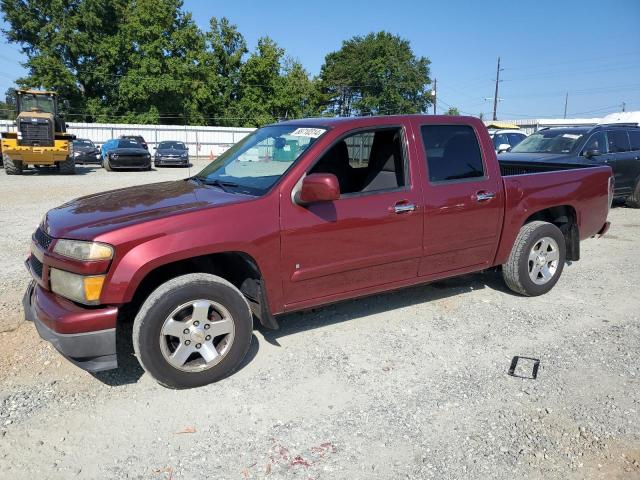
(549, 141)
(37, 103)
(256, 163)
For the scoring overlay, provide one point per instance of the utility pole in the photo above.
(624, 104)
(566, 100)
(495, 96)
(435, 94)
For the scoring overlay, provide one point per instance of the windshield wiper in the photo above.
(222, 184)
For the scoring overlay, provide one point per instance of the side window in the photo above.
(634, 136)
(366, 161)
(499, 139)
(618, 141)
(597, 143)
(453, 152)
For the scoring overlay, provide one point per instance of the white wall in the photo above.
(202, 141)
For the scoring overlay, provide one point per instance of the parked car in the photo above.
(84, 151)
(119, 153)
(171, 153)
(344, 216)
(615, 145)
(504, 140)
(136, 138)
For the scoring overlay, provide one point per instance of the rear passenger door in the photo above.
(463, 201)
(621, 160)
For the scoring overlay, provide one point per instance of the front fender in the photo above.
(237, 228)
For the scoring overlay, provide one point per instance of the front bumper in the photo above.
(88, 158)
(171, 161)
(130, 162)
(54, 317)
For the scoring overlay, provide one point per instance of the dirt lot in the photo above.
(411, 384)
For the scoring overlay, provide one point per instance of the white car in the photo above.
(504, 140)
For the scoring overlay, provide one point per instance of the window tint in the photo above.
(618, 141)
(359, 147)
(596, 142)
(634, 136)
(500, 139)
(515, 138)
(366, 161)
(452, 152)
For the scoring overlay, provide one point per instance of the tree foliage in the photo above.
(375, 74)
(146, 61)
(452, 111)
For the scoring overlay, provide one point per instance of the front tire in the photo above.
(192, 330)
(12, 167)
(106, 164)
(536, 260)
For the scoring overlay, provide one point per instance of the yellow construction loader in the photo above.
(41, 137)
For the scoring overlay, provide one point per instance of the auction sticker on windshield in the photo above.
(307, 132)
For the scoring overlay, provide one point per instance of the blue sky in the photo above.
(588, 48)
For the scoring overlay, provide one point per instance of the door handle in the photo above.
(484, 196)
(403, 207)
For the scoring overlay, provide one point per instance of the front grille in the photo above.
(36, 266)
(36, 133)
(42, 238)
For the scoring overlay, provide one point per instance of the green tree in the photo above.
(375, 74)
(225, 50)
(68, 44)
(452, 111)
(161, 76)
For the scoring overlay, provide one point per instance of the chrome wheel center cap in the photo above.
(198, 335)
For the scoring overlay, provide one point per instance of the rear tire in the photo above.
(633, 201)
(173, 341)
(536, 260)
(68, 167)
(12, 167)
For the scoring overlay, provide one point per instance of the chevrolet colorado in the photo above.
(299, 214)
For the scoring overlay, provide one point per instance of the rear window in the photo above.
(452, 151)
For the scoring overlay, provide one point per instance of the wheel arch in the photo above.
(564, 217)
(238, 267)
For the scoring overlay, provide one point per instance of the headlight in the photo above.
(79, 288)
(185, 155)
(113, 155)
(75, 154)
(83, 250)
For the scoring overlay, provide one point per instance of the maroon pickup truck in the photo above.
(296, 215)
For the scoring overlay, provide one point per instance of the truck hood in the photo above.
(541, 157)
(85, 218)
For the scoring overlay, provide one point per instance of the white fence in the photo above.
(202, 141)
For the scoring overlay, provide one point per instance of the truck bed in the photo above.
(510, 168)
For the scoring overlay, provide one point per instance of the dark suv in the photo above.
(616, 145)
(136, 138)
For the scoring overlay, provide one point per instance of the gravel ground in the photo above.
(411, 384)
